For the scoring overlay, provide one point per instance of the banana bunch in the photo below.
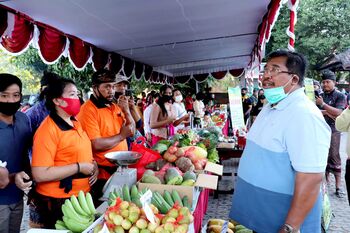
(215, 226)
(78, 213)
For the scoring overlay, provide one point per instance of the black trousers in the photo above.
(347, 178)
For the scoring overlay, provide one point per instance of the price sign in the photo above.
(145, 200)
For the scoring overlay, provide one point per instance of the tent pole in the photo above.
(197, 87)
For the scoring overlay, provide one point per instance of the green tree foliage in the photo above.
(29, 79)
(322, 29)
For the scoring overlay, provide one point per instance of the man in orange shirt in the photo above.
(106, 123)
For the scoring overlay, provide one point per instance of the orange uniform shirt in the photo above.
(100, 121)
(56, 143)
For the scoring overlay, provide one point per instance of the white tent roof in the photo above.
(177, 37)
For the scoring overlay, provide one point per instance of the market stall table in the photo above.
(227, 151)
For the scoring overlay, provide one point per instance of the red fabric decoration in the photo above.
(138, 70)
(162, 78)
(200, 77)
(20, 37)
(219, 75)
(154, 77)
(3, 20)
(274, 6)
(51, 43)
(183, 79)
(116, 63)
(128, 66)
(99, 58)
(236, 72)
(148, 72)
(170, 80)
(79, 52)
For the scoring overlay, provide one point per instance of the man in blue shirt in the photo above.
(39, 112)
(281, 170)
(15, 140)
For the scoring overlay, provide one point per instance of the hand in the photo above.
(86, 168)
(123, 103)
(131, 102)
(187, 116)
(319, 100)
(149, 137)
(93, 177)
(20, 182)
(127, 131)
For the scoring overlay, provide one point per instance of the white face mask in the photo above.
(178, 98)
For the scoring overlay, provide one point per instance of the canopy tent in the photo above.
(166, 41)
(336, 62)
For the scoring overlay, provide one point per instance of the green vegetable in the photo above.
(185, 202)
(188, 183)
(148, 172)
(168, 198)
(173, 177)
(126, 193)
(160, 147)
(201, 144)
(150, 179)
(176, 197)
(160, 203)
(189, 175)
(213, 155)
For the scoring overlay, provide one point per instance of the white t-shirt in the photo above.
(198, 107)
(180, 111)
(147, 119)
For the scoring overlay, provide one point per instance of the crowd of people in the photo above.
(57, 147)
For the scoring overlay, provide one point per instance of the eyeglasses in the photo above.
(274, 71)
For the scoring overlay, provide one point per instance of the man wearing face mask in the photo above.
(16, 139)
(247, 104)
(121, 89)
(180, 111)
(332, 103)
(106, 123)
(283, 163)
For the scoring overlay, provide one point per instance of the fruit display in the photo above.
(215, 226)
(126, 216)
(170, 176)
(164, 202)
(78, 213)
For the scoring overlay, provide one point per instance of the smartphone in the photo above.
(317, 94)
(128, 92)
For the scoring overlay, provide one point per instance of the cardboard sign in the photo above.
(236, 107)
(309, 89)
(214, 168)
(207, 181)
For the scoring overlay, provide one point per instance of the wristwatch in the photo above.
(289, 229)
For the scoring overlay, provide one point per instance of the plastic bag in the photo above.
(148, 156)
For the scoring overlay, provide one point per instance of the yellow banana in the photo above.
(216, 221)
(83, 203)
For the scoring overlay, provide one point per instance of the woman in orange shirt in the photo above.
(62, 162)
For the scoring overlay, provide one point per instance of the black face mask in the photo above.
(167, 98)
(9, 109)
(102, 99)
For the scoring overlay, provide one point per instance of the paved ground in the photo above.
(219, 208)
(340, 223)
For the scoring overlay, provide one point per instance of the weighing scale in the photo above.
(123, 175)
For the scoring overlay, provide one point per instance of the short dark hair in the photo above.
(244, 89)
(47, 78)
(7, 80)
(296, 62)
(54, 90)
(103, 76)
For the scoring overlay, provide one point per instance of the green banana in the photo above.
(112, 196)
(117, 193)
(71, 213)
(74, 225)
(126, 193)
(134, 193)
(90, 203)
(83, 203)
(77, 206)
(60, 225)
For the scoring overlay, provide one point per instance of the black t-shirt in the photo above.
(246, 103)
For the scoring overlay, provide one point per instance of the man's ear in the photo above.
(295, 80)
